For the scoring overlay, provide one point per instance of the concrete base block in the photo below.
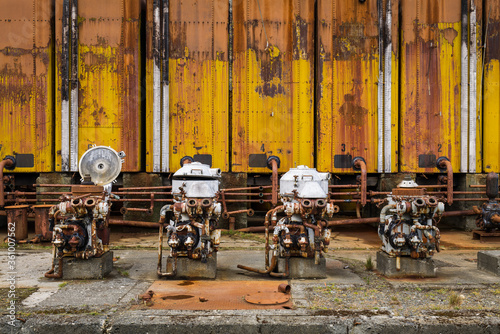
(303, 267)
(489, 261)
(194, 269)
(386, 265)
(93, 268)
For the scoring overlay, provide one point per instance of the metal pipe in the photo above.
(260, 188)
(249, 212)
(274, 181)
(8, 162)
(445, 163)
(354, 221)
(144, 188)
(247, 194)
(458, 213)
(361, 164)
(118, 222)
(347, 193)
(50, 273)
(343, 186)
(159, 271)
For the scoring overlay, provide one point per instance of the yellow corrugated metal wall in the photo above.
(26, 86)
(491, 152)
(348, 80)
(198, 84)
(273, 84)
(430, 84)
(108, 78)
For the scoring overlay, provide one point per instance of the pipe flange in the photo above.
(356, 159)
(187, 157)
(438, 163)
(13, 159)
(270, 159)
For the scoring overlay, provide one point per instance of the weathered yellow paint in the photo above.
(108, 73)
(198, 83)
(348, 85)
(280, 125)
(199, 110)
(273, 80)
(430, 83)
(26, 119)
(492, 116)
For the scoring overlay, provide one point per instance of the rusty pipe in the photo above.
(359, 163)
(50, 273)
(249, 212)
(159, 271)
(132, 223)
(144, 188)
(260, 188)
(274, 179)
(444, 163)
(287, 269)
(8, 163)
(274, 261)
(354, 221)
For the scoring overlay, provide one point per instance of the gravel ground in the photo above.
(378, 296)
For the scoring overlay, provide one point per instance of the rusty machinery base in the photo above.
(409, 267)
(193, 269)
(300, 267)
(92, 268)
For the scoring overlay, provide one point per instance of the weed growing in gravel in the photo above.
(455, 299)
(63, 284)
(369, 264)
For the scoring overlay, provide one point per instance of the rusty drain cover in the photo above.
(267, 298)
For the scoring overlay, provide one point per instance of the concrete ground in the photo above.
(350, 300)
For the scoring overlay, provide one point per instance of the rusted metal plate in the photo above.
(491, 108)
(273, 84)
(108, 78)
(348, 78)
(214, 295)
(267, 298)
(198, 89)
(430, 84)
(26, 83)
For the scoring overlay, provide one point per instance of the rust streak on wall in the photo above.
(430, 84)
(348, 61)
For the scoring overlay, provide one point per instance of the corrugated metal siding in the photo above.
(491, 107)
(273, 84)
(108, 77)
(430, 84)
(199, 83)
(26, 84)
(348, 79)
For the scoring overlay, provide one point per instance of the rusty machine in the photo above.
(79, 221)
(408, 223)
(489, 213)
(191, 221)
(299, 227)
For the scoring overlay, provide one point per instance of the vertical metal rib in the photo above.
(74, 87)
(472, 88)
(65, 118)
(388, 89)
(156, 88)
(380, 119)
(165, 123)
(464, 116)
